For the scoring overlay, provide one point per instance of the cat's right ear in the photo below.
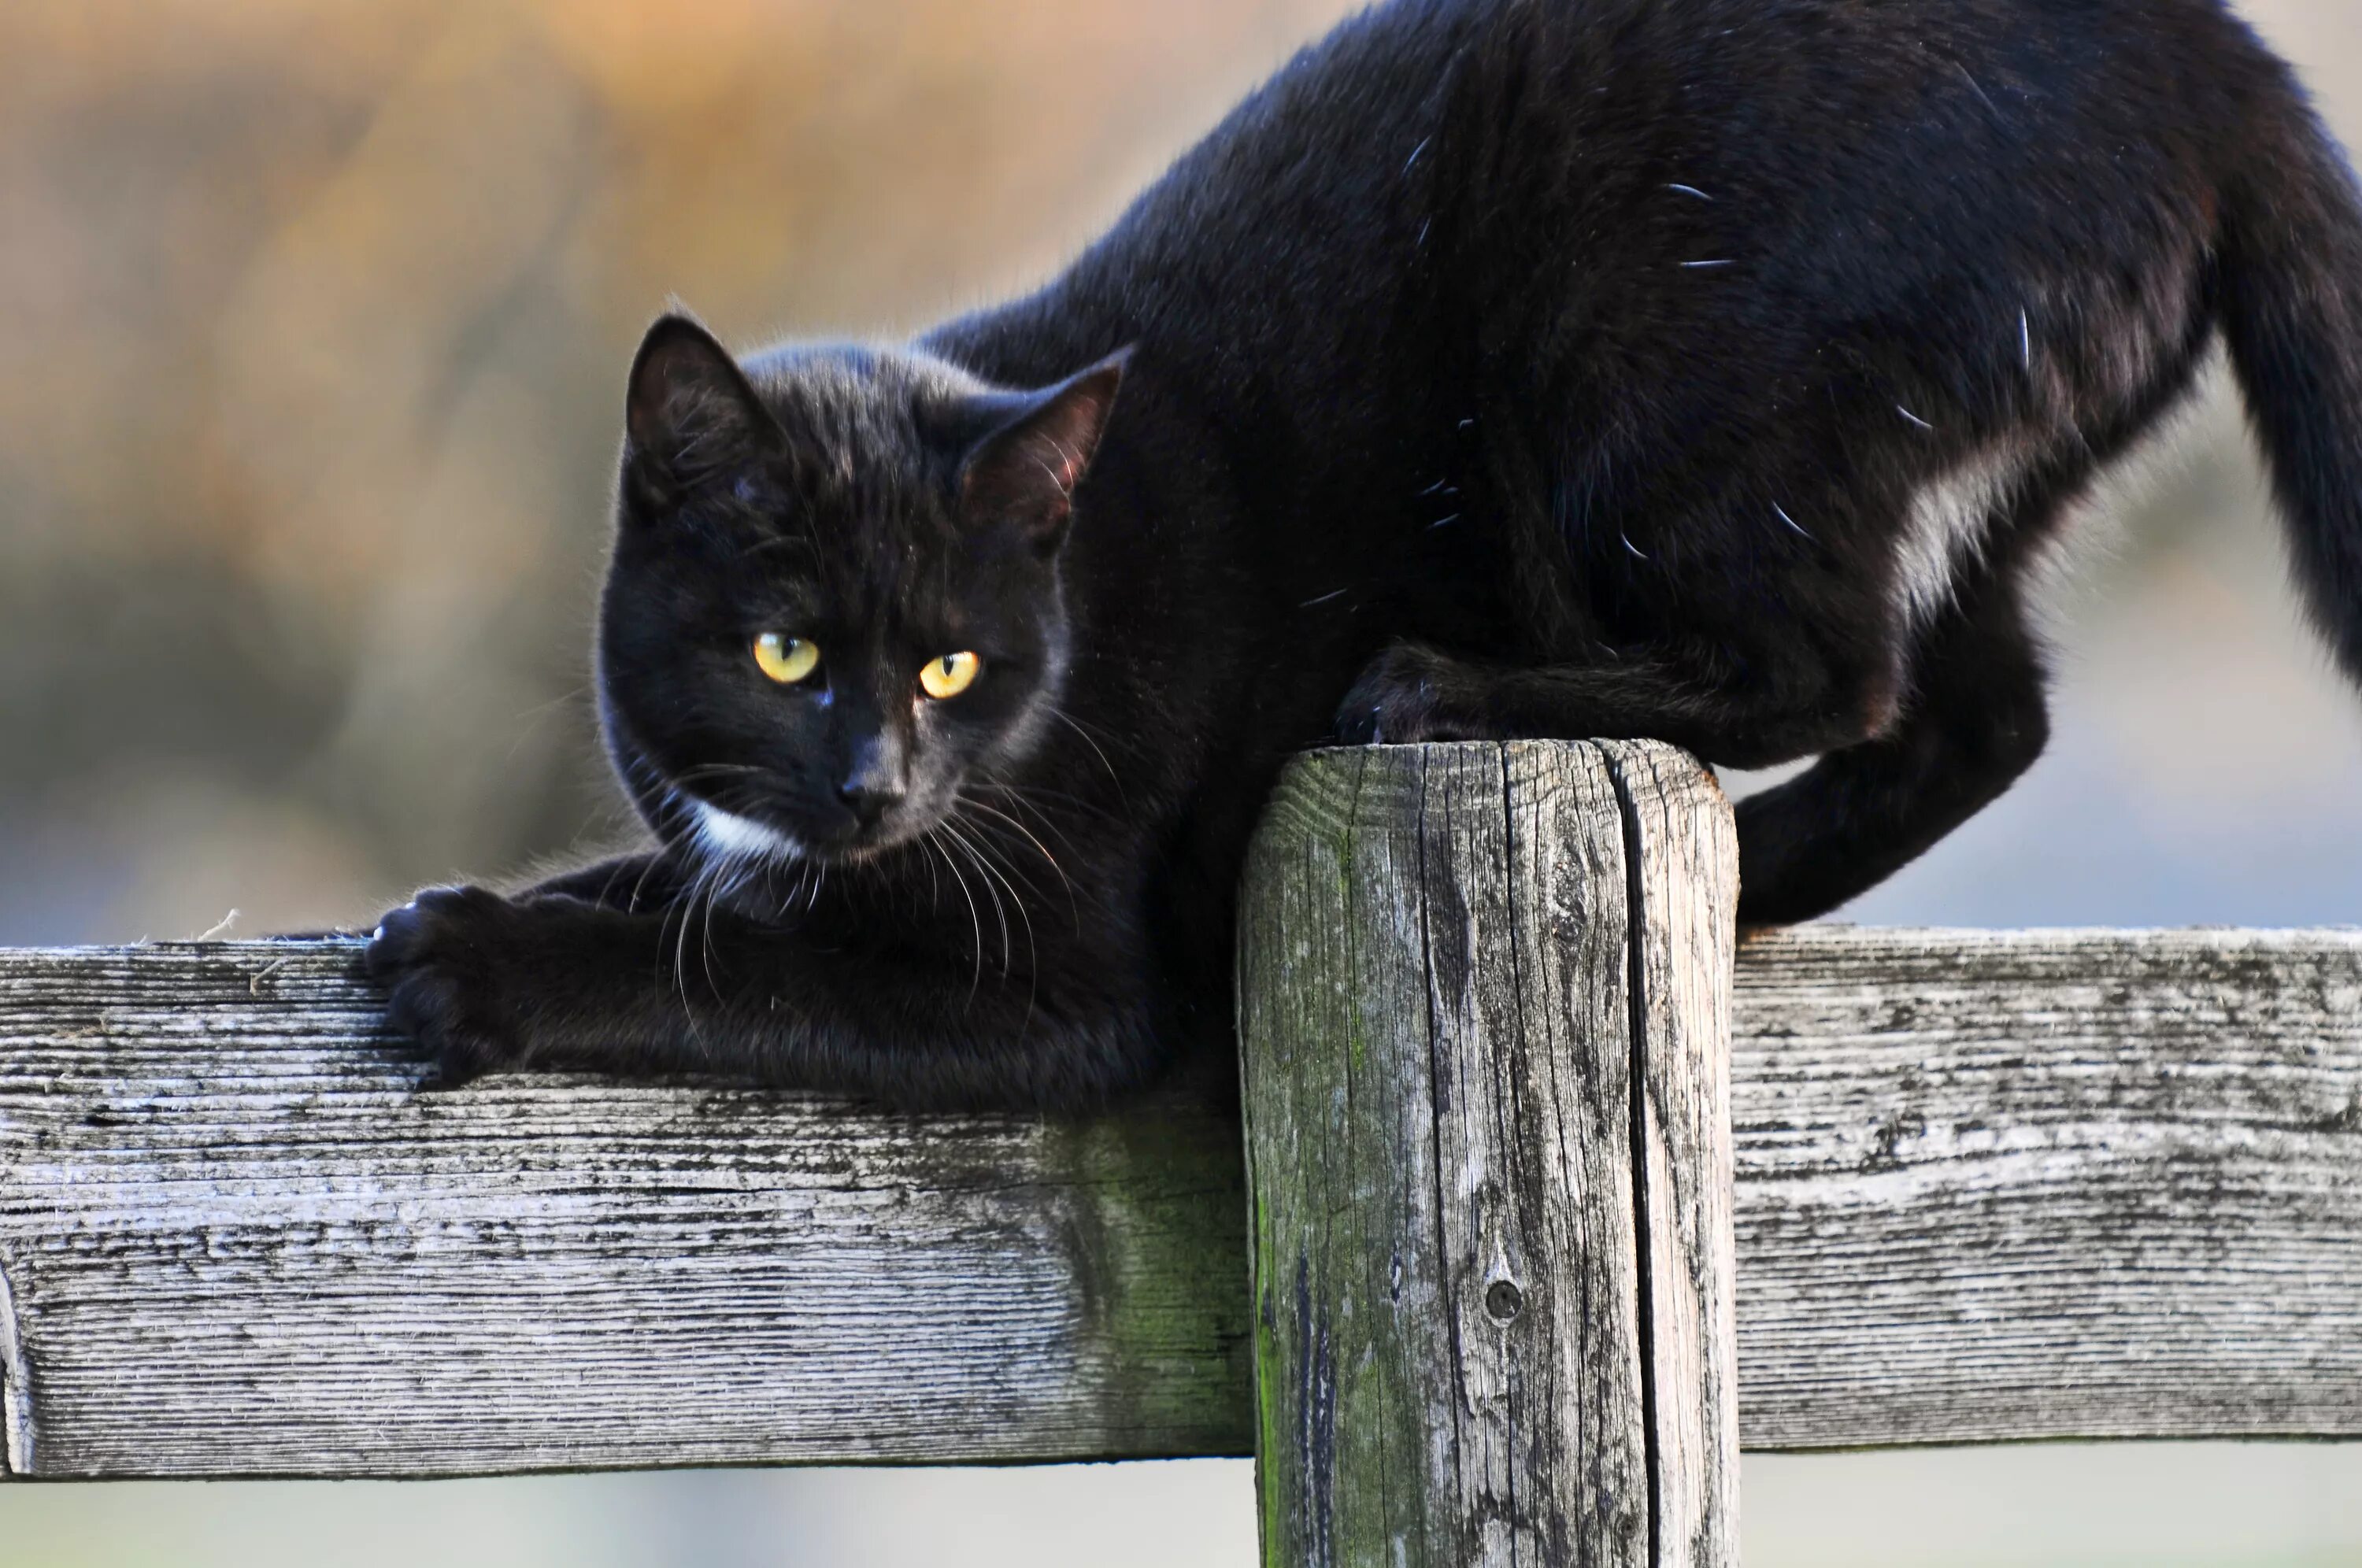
(690, 414)
(1023, 473)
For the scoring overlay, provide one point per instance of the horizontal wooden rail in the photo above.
(1991, 1186)
(1997, 1185)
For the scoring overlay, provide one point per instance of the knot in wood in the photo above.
(1504, 1301)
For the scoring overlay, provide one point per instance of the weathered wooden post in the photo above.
(1485, 1003)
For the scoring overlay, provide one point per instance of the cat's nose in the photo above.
(875, 778)
(867, 800)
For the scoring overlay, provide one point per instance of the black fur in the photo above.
(1501, 368)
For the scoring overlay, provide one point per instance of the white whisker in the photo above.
(1032, 947)
(1060, 871)
(1000, 909)
(1061, 715)
(975, 920)
(1975, 86)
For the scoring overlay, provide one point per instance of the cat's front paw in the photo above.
(1396, 700)
(441, 957)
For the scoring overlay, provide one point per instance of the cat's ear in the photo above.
(690, 414)
(1023, 473)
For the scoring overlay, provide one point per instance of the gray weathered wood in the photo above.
(1682, 857)
(1492, 1253)
(240, 1243)
(2029, 1185)
(1990, 1184)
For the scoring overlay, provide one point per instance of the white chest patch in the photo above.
(726, 836)
(1950, 523)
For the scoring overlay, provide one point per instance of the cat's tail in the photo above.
(2290, 272)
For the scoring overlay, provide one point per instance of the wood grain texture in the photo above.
(1451, 1260)
(1681, 854)
(1990, 1185)
(238, 1242)
(2032, 1185)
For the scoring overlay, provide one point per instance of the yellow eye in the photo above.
(948, 676)
(785, 660)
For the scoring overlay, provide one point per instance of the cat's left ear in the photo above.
(1023, 473)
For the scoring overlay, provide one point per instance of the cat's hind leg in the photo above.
(1976, 718)
(1907, 753)
(1797, 704)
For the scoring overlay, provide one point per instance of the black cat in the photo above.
(1705, 370)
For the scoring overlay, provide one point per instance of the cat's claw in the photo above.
(439, 957)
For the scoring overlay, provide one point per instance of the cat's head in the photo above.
(835, 597)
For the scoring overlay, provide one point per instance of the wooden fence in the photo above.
(1548, 1207)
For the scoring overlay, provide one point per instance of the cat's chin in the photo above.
(727, 836)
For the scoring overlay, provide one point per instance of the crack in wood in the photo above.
(1636, 912)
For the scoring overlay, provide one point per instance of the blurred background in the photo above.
(313, 315)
